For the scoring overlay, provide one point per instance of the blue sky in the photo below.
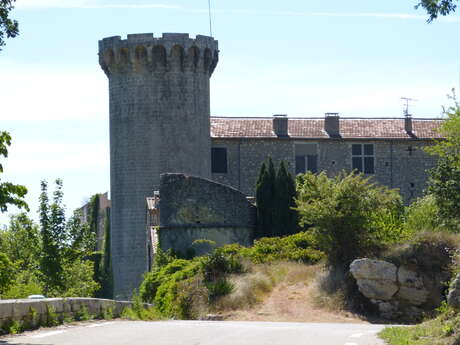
(301, 58)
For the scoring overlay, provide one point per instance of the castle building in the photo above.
(159, 93)
(390, 150)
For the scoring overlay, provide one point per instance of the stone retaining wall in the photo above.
(35, 312)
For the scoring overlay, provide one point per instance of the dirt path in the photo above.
(291, 303)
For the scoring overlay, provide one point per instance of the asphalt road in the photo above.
(202, 333)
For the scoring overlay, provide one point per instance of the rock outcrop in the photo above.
(376, 279)
(399, 292)
(453, 298)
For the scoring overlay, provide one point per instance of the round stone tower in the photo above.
(159, 122)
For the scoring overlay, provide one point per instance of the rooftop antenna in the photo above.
(406, 110)
(210, 18)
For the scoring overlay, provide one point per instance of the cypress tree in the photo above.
(265, 189)
(285, 218)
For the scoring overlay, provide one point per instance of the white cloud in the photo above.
(32, 4)
(56, 157)
(95, 4)
(47, 93)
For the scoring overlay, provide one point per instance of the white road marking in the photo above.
(99, 324)
(47, 334)
(356, 335)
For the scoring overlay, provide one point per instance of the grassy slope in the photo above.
(444, 330)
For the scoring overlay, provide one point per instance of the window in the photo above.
(362, 158)
(219, 160)
(306, 158)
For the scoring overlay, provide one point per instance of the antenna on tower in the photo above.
(406, 109)
(210, 18)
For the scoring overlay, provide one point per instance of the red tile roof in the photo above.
(350, 128)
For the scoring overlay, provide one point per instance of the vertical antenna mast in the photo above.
(210, 19)
(406, 110)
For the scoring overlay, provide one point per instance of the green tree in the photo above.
(67, 248)
(444, 185)
(8, 26)
(51, 264)
(10, 194)
(7, 272)
(444, 180)
(343, 211)
(21, 242)
(285, 216)
(437, 8)
(265, 200)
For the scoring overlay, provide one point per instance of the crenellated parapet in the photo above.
(143, 53)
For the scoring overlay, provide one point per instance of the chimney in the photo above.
(332, 124)
(280, 125)
(408, 124)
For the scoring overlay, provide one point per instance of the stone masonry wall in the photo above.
(34, 312)
(401, 164)
(159, 122)
(194, 208)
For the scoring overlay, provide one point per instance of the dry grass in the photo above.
(253, 287)
(327, 292)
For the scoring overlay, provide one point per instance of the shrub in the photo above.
(217, 264)
(301, 247)
(12, 327)
(219, 288)
(345, 212)
(423, 215)
(26, 283)
(433, 252)
(7, 271)
(51, 316)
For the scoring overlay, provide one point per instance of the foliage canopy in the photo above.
(10, 194)
(8, 26)
(436, 8)
(348, 214)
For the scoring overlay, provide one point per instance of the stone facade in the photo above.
(397, 162)
(189, 209)
(102, 216)
(159, 122)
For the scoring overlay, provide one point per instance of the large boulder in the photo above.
(376, 279)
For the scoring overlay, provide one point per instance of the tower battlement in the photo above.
(172, 52)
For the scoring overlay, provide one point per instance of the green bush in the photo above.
(12, 327)
(348, 214)
(51, 316)
(7, 271)
(300, 247)
(83, 314)
(219, 288)
(423, 215)
(161, 286)
(217, 264)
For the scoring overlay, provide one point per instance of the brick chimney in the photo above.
(332, 124)
(408, 124)
(280, 125)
